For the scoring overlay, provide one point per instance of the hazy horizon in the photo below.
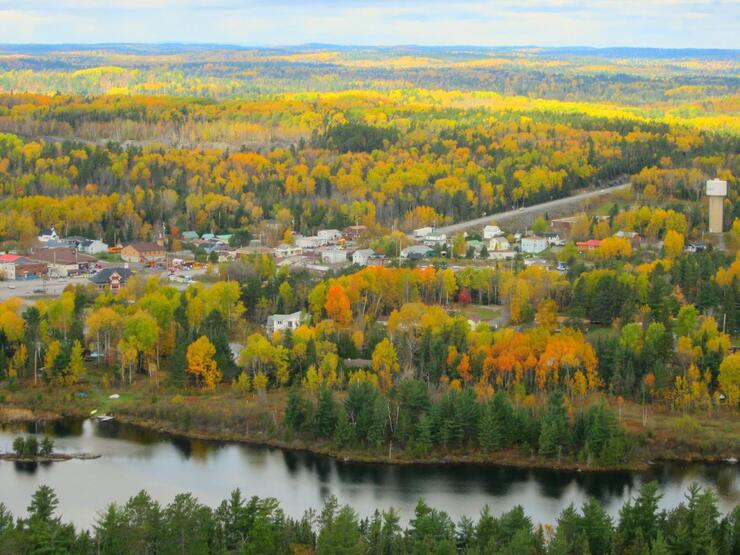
(701, 24)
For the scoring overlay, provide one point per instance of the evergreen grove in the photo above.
(259, 526)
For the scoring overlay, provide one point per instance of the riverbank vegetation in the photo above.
(259, 526)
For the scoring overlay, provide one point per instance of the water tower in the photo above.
(716, 191)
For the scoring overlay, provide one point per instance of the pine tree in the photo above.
(344, 432)
(326, 417)
(176, 375)
(424, 436)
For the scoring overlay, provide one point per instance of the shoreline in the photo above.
(508, 458)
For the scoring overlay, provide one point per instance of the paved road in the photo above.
(529, 210)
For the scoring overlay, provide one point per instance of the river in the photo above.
(134, 459)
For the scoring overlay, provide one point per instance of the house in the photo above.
(435, 240)
(553, 239)
(354, 232)
(92, 246)
(634, 238)
(362, 256)
(284, 250)
(308, 242)
(111, 278)
(48, 235)
(142, 252)
(329, 236)
(533, 244)
(64, 261)
(282, 322)
(333, 256)
(589, 245)
(416, 252)
(190, 235)
(376, 260)
(498, 244)
(492, 231)
(423, 232)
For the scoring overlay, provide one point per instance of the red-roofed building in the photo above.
(591, 244)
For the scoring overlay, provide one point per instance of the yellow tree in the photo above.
(201, 364)
(385, 363)
(673, 243)
(729, 378)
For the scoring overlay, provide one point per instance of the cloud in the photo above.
(666, 23)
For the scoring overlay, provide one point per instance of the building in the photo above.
(499, 244)
(282, 322)
(64, 261)
(533, 244)
(435, 240)
(423, 232)
(143, 252)
(589, 245)
(284, 250)
(48, 235)
(190, 236)
(416, 252)
(334, 256)
(308, 242)
(716, 191)
(329, 236)
(491, 231)
(111, 278)
(13, 266)
(87, 246)
(362, 256)
(354, 232)
(554, 239)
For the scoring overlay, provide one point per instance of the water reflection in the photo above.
(135, 459)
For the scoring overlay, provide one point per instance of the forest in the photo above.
(128, 143)
(256, 526)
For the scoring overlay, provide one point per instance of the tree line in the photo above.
(260, 526)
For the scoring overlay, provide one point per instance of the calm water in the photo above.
(134, 459)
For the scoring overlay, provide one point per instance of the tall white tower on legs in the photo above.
(716, 191)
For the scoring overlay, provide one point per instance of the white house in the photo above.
(308, 242)
(533, 244)
(48, 235)
(435, 240)
(92, 246)
(422, 232)
(282, 322)
(284, 250)
(361, 256)
(329, 236)
(334, 256)
(491, 231)
(498, 244)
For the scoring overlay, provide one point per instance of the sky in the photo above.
(600, 23)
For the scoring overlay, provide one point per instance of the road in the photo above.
(529, 210)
